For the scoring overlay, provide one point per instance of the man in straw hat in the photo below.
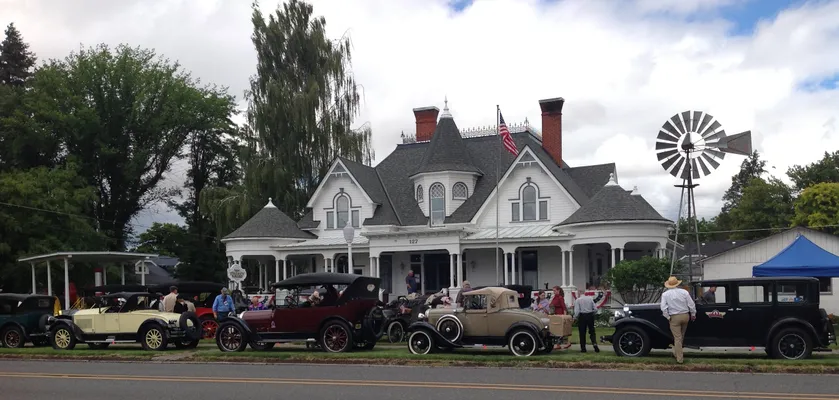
(678, 307)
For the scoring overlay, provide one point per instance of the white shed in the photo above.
(738, 262)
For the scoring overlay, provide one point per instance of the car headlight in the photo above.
(241, 314)
(546, 322)
(172, 322)
(619, 314)
(421, 316)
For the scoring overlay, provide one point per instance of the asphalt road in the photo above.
(37, 380)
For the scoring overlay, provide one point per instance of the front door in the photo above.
(436, 272)
(530, 269)
(713, 320)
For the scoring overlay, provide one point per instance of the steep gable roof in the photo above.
(614, 203)
(269, 222)
(591, 178)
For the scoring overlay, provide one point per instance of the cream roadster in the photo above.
(124, 318)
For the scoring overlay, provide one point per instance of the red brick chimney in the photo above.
(552, 127)
(426, 122)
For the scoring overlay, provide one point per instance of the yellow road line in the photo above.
(440, 385)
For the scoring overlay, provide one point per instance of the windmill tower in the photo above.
(689, 146)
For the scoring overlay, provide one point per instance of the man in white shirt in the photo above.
(584, 312)
(678, 307)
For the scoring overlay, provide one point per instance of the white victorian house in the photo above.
(430, 207)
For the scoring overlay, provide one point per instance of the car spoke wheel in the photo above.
(209, 327)
(631, 343)
(230, 338)
(336, 338)
(420, 342)
(395, 332)
(449, 328)
(792, 346)
(153, 338)
(62, 339)
(13, 337)
(523, 343)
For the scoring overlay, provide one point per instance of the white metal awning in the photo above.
(324, 242)
(517, 232)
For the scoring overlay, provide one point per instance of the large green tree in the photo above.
(16, 60)
(765, 207)
(41, 211)
(302, 104)
(818, 206)
(824, 170)
(707, 229)
(751, 168)
(640, 281)
(123, 115)
(164, 239)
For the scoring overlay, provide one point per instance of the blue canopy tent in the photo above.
(801, 258)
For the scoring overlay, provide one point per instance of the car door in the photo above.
(713, 320)
(752, 314)
(105, 322)
(474, 316)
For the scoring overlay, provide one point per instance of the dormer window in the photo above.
(529, 206)
(341, 212)
(437, 196)
(460, 191)
(419, 193)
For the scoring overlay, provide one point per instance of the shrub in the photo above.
(639, 281)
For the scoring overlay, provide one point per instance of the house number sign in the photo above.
(412, 241)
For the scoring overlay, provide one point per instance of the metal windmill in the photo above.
(691, 145)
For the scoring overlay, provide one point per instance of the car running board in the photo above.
(110, 341)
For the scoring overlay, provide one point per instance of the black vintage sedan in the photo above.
(781, 315)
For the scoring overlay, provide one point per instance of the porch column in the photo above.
(614, 257)
(460, 266)
(564, 278)
(122, 273)
(66, 283)
(520, 272)
(105, 275)
(261, 275)
(285, 269)
(33, 276)
(452, 274)
(372, 267)
(49, 280)
(507, 269)
(277, 269)
(571, 267)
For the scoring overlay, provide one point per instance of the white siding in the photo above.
(560, 204)
(738, 263)
(327, 193)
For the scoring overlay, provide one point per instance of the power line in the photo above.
(91, 218)
(760, 229)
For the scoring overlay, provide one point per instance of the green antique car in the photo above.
(23, 317)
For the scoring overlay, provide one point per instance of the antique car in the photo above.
(23, 318)
(338, 322)
(202, 295)
(123, 318)
(400, 313)
(490, 316)
(781, 315)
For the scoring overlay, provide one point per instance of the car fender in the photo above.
(649, 326)
(18, 325)
(791, 321)
(439, 340)
(77, 332)
(525, 325)
(337, 318)
(246, 329)
(153, 321)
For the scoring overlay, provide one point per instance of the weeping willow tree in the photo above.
(302, 103)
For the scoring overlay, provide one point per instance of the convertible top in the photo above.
(319, 278)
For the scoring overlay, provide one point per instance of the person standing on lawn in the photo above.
(558, 306)
(678, 307)
(171, 299)
(223, 304)
(584, 312)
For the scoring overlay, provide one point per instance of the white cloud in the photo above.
(623, 71)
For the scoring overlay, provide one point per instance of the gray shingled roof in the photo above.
(447, 151)
(271, 222)
(614, 203)
(390, 183)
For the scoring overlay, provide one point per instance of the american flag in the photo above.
(506, 138)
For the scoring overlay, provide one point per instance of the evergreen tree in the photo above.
(16, 61)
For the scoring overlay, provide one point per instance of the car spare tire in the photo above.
(193, 331)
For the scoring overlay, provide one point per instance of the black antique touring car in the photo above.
(780, 314)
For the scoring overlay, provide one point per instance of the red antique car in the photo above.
(202, 295)
(340, 321)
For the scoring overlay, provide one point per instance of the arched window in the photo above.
(342, 209)
(419, 193)
(437, 194)
(529, 206)
(460, 191)
(341, 212)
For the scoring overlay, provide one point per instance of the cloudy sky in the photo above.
(769, 66)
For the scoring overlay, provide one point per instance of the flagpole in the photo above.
(497, 189)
